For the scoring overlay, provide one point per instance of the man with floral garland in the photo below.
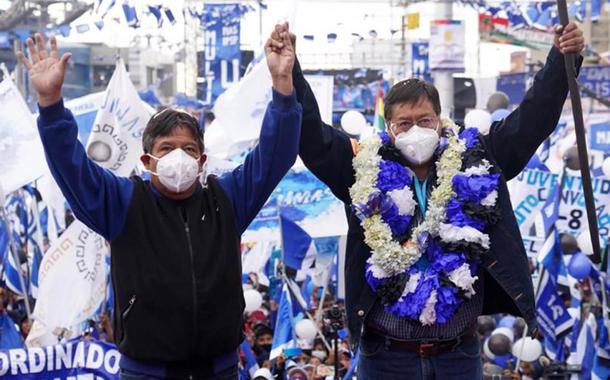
(433, 242)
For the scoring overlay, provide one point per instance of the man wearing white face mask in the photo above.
(175, 245)
(433, 242)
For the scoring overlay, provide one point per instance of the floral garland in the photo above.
(425, 275)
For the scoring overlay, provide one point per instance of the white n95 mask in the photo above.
(417, 144)
(176, 170)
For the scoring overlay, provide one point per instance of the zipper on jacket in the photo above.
(194, 283)
(132, 300)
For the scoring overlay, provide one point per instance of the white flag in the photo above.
(20, 147)
(115, 142)
(240, 109)
(72, 278)
(72, 284)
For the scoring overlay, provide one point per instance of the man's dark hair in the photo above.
(164, 122)
(411, 91)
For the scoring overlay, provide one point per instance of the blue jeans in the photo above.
(227, 374)
(377, 362)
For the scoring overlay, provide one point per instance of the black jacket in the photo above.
(176, 269)
(328, 153)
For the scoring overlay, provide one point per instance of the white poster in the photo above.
(447, 45)
(322, 87)
(20, 147)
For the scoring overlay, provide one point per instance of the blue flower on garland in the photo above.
(399, 224)
(373, 281)
(385, 138)
(392, 176)
(456, 216)
(447, 302)
(470, 137)
(444, 262)
(474, 188)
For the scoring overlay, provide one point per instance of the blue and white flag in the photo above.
(10, 337)
(553, 318)
(296, 243)
(283, 335)
(155, 10)
(170, 15)
(582, 350)
(131, 16)
(600, 371)
(251, 364)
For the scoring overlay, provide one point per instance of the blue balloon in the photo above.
(579, 266)
(507, 321)
(499, 114)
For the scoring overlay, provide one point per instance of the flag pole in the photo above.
(307, 313)
(581, 142)
(13, 251)
(522, 347)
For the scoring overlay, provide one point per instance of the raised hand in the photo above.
(46, 70)
(280, 58)
(569, 39)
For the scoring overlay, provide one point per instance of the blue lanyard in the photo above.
(420, 192)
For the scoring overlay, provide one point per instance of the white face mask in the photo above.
(320, 354)
(417, 144)
(176, 170)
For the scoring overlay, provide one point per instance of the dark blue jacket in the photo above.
(328, 153)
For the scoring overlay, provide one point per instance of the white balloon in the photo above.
(490, 355)
(505, 331)
(532, 349)
(253, 299)
(353, 122)
(305, 329)
(584, 242)
(606, 168)
(479, 119)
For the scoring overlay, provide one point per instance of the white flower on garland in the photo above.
(376, 270)
(491, 199)
(403, 199)
(452, 234)
(482, 169)
(428, 315)
(463, 279)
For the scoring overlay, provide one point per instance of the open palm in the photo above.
(46, 70)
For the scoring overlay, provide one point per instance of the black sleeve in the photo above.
(514, 140)
(326, 151)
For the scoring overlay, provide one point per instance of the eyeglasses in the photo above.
(405, 125)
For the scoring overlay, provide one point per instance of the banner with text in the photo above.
(74, 360)
(222, 55)
(530, 190)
